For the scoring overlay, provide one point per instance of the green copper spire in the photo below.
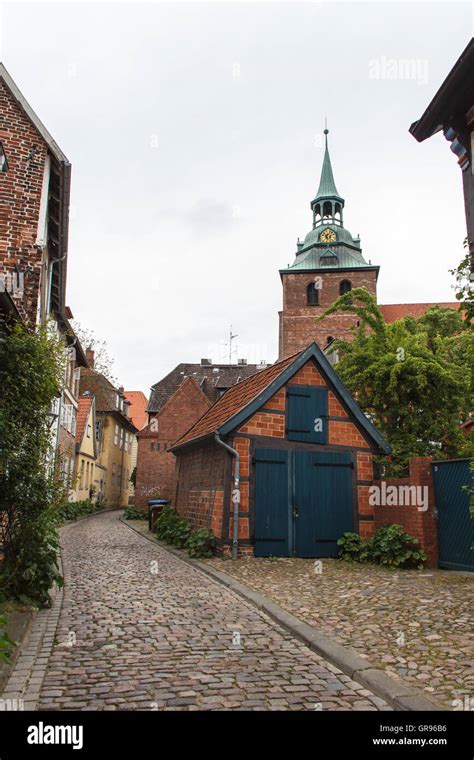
(327, 186)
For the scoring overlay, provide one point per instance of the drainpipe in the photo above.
(235, 493)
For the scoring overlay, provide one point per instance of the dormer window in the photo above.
(328, 259)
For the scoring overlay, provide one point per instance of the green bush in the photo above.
(201, 543)
(354, 549)
(71, 510)
(6, 643)
(170, 527)
(390, 547)
(135, 513)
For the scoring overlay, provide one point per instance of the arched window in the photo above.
(312, 294)
(329, 340)
(345, 287)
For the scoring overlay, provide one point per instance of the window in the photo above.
(117, 401)
(121, 438)
(312, 295)
(98, 430)
(116, 432)
(307, 413)
(113, 474)
(88, 431)
(81, 481)
(126, 441)
(3, 160)
(344, 287)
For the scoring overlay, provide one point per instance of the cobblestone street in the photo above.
(141, 629)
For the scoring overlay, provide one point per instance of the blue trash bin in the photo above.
(155, 506)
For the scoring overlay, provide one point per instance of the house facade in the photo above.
(175, 403)
(87, 475)
(114, 432)
(138, 403)
(285, 456)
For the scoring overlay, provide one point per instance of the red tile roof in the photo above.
(394, 311)
(234, 400)
(137, 408)
(83, 410)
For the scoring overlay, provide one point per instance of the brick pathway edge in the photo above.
(396, 693)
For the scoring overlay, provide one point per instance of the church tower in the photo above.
(327, 263)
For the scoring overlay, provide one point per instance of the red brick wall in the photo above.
(156, 468)
(199, 494)
(297, 321)
(20, 196)
(422, 525)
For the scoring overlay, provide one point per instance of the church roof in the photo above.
(320, 258)
(327, 186)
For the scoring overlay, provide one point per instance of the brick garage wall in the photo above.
(199, 494)
(422, 525)
(297, 320)
(20, 197)
(156, 466)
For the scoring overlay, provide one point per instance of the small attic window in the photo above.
(328, 259)
(3, 160)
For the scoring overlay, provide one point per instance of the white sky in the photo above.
(194, 133)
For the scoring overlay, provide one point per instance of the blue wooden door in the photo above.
(455, 524)
(322, 502)
(303, 502)
(272, 514)
(307, 412)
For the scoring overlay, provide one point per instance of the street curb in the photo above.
(396, 693)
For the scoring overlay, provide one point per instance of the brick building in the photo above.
(305, 462)
(176, 402)
(138, 403)
(328, 263)
(35, 180)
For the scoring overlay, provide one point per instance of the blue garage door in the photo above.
(303, 502)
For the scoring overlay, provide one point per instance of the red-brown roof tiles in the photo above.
(234, 400)
(137, 408)
(394, 311)
(83, 410)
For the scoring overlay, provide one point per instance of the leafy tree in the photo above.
(464, 287)
(103, 362)
(32, 369)
(413, 378)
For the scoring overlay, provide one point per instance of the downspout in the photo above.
(235, 493)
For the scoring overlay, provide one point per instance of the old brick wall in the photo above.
(297, 320)
(421, 524)
(199, 495)
(20, 197)
(156, 465)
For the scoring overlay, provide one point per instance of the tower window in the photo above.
(312, 296)
(345, 287)
(3, 159)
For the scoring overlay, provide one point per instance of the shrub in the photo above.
(5, 641)
(354, 549)
(71, 510)
(392, 547)
(201, 543)
(135, 513)
(166, 524)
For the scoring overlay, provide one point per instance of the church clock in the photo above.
(328, 236)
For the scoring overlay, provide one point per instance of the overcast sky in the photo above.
(194, 133)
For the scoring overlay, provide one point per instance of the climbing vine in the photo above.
(31, 374)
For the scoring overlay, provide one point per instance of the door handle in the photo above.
(295, 511)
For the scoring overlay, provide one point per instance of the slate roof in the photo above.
(394, 311)
(211, 378)
(245, 398)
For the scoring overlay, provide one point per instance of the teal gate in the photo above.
(455, 524)
(303, 502)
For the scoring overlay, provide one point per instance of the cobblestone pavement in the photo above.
(141, 629)
(417, 625)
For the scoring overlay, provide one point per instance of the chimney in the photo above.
(90, 357)
(242, 362)
(205, 362)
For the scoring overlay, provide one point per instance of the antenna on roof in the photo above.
(231, 350)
